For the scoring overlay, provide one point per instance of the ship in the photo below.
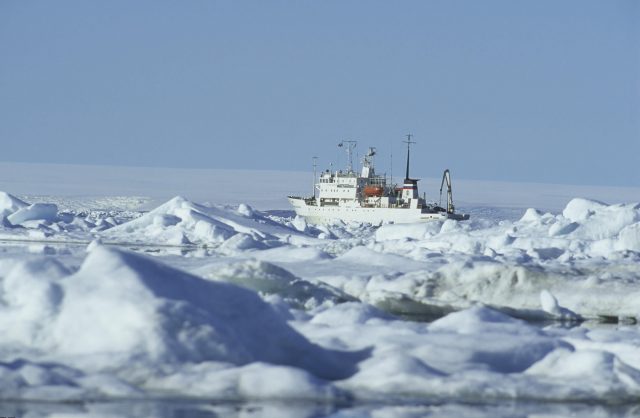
(367, 197)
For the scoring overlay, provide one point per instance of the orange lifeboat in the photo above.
(373, 191)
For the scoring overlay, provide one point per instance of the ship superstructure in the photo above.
(369, 197)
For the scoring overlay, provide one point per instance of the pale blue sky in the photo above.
(542, 91)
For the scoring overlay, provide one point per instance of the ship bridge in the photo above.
(337, 186)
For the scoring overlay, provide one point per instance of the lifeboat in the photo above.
(373, 191)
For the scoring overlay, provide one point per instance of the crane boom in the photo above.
(446, 178)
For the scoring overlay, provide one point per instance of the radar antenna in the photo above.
(408, 142)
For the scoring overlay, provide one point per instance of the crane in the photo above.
(446, 177)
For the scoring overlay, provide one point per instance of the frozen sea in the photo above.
(197, 293)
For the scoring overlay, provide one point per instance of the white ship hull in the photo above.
(373, 215)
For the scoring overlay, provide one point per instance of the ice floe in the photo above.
(270, 307)
(127, 326)
(477, 354)
(269, 279)
(125, 315)
(42, 221)
(586, 257)
(182, 222)
(9, 205)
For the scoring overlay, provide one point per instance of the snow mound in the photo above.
(9, 204)
(481, 320)
(175, 222)
(586, 257)
(480, 353)
(37, 211)
(596, 370)
(124, 311)
(531, 215)
(629, 238)
(21, 221)
(269, 279)
(550, 305)
(597, 220)
(580, 209)
(585, 229)
(589, 228)
(182, 222)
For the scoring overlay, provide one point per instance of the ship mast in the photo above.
(350, 146)
(408, 142)
(315, 164)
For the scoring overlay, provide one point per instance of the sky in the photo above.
(527, 91)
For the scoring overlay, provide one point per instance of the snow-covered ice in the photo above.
(125, 325)
(584, 260)
(207, 302)
(180, 221)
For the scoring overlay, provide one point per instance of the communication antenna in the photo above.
(315, 164)
(408, 142)
(350, 145)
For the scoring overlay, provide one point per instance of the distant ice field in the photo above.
(265, 189)
(162, 292)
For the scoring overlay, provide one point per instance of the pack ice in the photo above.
(268, 307)
(22, 221)
(124, 325)
(182, 222)
(15, 213)
(128, 316)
